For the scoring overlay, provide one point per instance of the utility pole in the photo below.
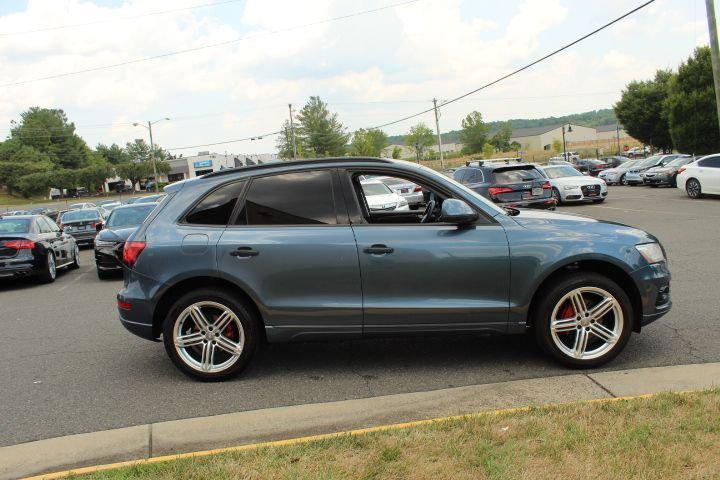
(714, 51)
(437, 129)
(152, 157)
(617, 130)
(292, 131)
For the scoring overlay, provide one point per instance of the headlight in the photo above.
(652, 252)
(570, 187)
(402, 203)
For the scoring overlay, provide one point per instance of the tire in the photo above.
(693, 188)
(556, 196)
(242, 331)
(49, 270)
(556, 299)
(622, 180)
(76, 258)
(103, 275)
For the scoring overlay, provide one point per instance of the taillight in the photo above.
(123, 305)
(417, 188)
(19, 244)
(132, 251)
(546, 186)
(498, 190)
(682, 169)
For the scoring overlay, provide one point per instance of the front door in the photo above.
(296, 255)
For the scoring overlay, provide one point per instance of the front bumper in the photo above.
(660, 179)
(610, 177)
(633, 178)
(576, 195)
(653, 282)
(107, 258)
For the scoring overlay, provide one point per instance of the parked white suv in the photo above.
(700, 177)
(381, 197)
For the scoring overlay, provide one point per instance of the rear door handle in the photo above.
(379, 249)
(244, 252)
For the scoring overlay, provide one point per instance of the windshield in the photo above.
(562, 171)
(14, 225)
(679, 162)
(371, 189)
(130, 217)
(80, 215)
(150, 199)
(649, 162)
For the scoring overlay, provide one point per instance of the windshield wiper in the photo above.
(511, 212)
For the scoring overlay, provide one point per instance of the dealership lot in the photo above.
(68, 366)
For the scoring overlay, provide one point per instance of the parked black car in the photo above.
(82, 224)
(614, 161)
(518, 186)
(109, 243)
(667, 174)
(33, 245)
(590, 166)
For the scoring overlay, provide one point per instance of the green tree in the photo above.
(501, 139)
(114, 154)
(515, 146)
(368, 143)
(488, 150)
(419, 138)
(643, 111)
(135, 172)
(320, 131)
(49, 132)
(692, 109)
(396, 152)
(284, 142)
(474, 133)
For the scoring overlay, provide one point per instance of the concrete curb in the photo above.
(173, 437)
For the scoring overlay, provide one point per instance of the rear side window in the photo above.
(712, 162)
(300, 198)
(516, 175)
(459, 175)
(216, 208)
(474, 176)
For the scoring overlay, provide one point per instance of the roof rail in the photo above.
(478, 163)
(309, 161)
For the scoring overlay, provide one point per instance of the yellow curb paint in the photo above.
(324, 436)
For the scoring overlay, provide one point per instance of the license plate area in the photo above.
(537, 192)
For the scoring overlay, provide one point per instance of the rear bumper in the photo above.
(84, 237)
(138, 319)
(543, 204)
(653, 282)
(23, 269)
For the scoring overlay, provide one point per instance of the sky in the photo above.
(371, 68)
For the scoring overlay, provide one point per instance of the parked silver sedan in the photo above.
(411, 192)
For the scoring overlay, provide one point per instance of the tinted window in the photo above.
(216, 208)
(21, 225)
(515, 176)
(78, 215)
(43, 226)
(712, 162)
(290, 199)
(130, 217)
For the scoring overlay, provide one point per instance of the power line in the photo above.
(515, 72)
(254, 137)
(211, 45)
(117, 19)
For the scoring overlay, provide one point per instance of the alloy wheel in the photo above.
(693, 188)
(76, 256)
(52, 269)
(586, 323)
(208, 337)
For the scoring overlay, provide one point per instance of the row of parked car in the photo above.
(37, 243)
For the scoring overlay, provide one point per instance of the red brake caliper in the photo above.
(567, 312)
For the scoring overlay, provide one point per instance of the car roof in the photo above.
(20, 217)
(292, 164)
(135, 205)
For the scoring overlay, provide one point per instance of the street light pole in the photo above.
(152, 148)
(617, 129)
(714, 51)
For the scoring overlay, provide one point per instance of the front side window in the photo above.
(299, 198)
(216, 208)
(43, 226)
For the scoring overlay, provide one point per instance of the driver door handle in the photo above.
(379, 249)
(244, 252)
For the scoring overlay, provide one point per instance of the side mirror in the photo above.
(457, 212)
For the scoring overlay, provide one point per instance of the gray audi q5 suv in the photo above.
(291, 251)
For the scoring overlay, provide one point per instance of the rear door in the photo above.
(517, 184)
(292, 246)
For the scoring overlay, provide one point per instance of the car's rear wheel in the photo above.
(693, 189)
(583, 320)
(49, 270)
(210, 334)
(76, 258)
(623, 180)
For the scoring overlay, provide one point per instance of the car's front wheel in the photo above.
(556, 196)
(583, 320)
(210, 334)
(623, 180)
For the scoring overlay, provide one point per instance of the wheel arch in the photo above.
(601, 267)
(170, 295)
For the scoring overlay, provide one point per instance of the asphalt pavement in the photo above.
(68, 366)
